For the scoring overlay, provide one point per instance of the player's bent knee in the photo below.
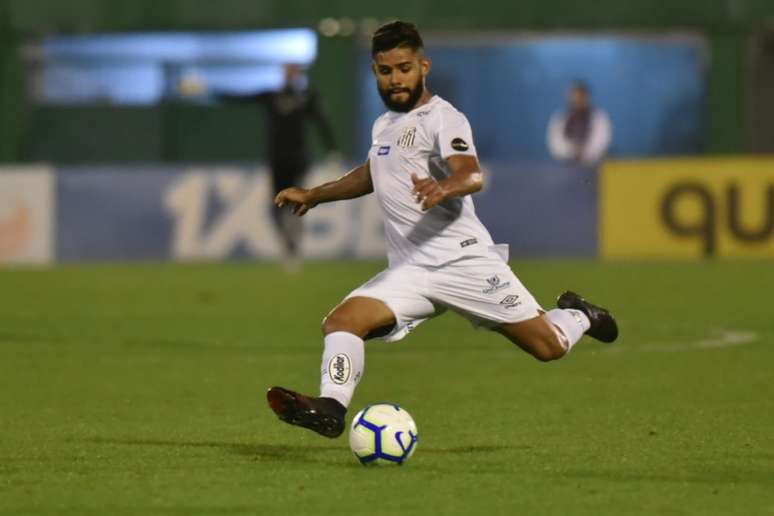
(338, 321)
(548, 354)
(547, 350)
(363, 317)
(539, 341)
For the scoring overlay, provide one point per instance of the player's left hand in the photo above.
(427, 191)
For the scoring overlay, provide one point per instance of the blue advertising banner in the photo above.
(113, 213)
(216, 213)
(213, 213)
(541, 209)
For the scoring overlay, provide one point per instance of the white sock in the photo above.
(342, 366)
(572, 324)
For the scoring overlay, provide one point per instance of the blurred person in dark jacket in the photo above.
(288, 110)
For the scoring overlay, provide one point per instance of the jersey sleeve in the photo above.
(455, 135)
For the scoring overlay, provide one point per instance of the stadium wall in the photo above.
(727, 26)
(101, 15)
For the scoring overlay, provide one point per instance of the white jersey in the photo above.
(419, 142)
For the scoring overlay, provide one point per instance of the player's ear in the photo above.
(424, 65)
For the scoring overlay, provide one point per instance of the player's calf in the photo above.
(546, 350)
(535, 336)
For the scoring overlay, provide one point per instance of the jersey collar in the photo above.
(396, 114)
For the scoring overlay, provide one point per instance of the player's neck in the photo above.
(423, 99)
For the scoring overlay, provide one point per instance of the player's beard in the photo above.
(408, 104)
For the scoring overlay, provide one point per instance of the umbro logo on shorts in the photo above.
(511, 301)
(383, 150)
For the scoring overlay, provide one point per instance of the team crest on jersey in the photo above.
(406, 139)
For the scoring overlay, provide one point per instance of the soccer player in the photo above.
(422, 166)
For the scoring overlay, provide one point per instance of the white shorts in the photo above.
(482, 289)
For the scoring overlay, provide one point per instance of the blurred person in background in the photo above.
(288, 110)
(583, 133)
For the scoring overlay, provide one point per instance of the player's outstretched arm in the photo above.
(355, 183)
(466, 178)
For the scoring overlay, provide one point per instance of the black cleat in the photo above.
(603, 325)
(323, 415)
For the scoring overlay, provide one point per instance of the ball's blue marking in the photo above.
(367, 459)
(378, 432)
(406, 449)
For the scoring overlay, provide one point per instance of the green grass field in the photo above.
(140, 390)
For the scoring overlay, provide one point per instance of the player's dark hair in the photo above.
(581, 85)
(396, 34)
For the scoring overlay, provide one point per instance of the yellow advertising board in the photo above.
(687, 208)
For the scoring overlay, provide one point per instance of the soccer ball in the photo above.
(383, 434)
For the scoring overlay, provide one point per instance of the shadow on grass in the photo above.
(474, 450)
(301, 453)
(319, 454)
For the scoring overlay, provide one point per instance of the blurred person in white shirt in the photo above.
(581, 134)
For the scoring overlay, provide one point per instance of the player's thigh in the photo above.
(362, 316)
(536, 336)
(485, 291)
(402, 290)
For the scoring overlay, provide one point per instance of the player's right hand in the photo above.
(300, 198)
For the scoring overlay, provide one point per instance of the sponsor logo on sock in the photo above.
(495, 284)
(340, 368)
